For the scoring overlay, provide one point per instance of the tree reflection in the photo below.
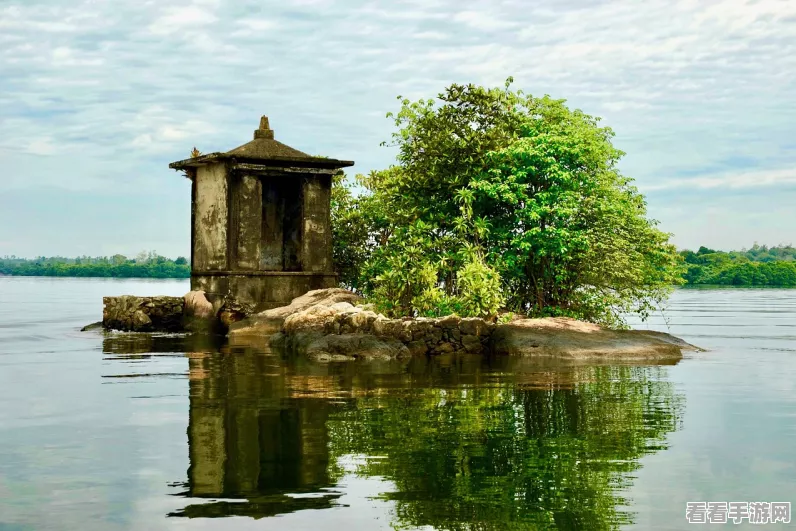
(501, 457)
(468, 442)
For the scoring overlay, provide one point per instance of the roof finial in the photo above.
(264, 131)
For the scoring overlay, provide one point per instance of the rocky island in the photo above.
(519, 227)
(334, 324)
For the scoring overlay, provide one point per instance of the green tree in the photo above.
(524, 190)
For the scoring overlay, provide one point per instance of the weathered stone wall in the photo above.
(317, 244)
(142, 314)
(247, 211)
(210, 218)
(421, 336)
(262, 291)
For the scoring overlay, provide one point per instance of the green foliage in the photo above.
(146, 265)
(524, 184)
(355, 223)
(758, 266)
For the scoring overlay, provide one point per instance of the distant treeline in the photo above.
(758, 266)
(144, 265)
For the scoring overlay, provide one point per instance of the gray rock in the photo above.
(569, 338)
(270, 321)
(448, 322)
(475, 326)
(142, 314)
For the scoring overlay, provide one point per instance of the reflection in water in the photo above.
(248, 440)
(468, 442)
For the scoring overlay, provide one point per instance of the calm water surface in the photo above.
(121, 431)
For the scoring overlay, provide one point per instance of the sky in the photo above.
(98, 97)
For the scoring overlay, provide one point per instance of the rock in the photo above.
(448, 322)
(318, 318)
(270, 321)
(472, 343)
(142, 314)
(327, 325)
(92, 326)
(141, 320)
(475, 326)
(232, 311)
(387, 327)
(405, 333)
(195, 304)
(344, 307)
(434, 335)
(417, 348)
(198, 314)
(363, 321)
(443, 348)
(421, 329)
(569, 338)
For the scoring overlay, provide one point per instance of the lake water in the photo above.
(118, 431)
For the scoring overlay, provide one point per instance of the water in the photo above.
(119, 431)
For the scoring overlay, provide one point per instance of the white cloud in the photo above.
(257, 24)
(42, 146)
(430, 35)
(483, 20)
(734, 181)
(177, 19)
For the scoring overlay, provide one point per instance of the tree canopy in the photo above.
(501, 200)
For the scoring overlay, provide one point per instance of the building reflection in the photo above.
(251, 444)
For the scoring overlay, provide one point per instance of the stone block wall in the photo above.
(142, 314)
(421, 335)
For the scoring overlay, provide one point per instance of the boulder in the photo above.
(270, 321)
(92, 326)
(198, 313)
(142, 314)
(319, 318)
(568, 338)
(195, 304)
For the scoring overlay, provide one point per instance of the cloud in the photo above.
(124, 88)
(742, 180)
(484, 21)
(177, 19)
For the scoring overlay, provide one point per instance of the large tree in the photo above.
(503, 199)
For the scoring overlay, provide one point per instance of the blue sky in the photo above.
(96, 98)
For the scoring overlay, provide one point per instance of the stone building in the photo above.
(260, 221)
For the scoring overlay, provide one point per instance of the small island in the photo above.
(505, 228)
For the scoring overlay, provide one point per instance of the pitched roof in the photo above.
(263, 148)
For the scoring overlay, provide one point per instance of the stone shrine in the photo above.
(260, 221)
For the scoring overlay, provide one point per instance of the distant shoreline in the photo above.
(758, 267)
(687, 286)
